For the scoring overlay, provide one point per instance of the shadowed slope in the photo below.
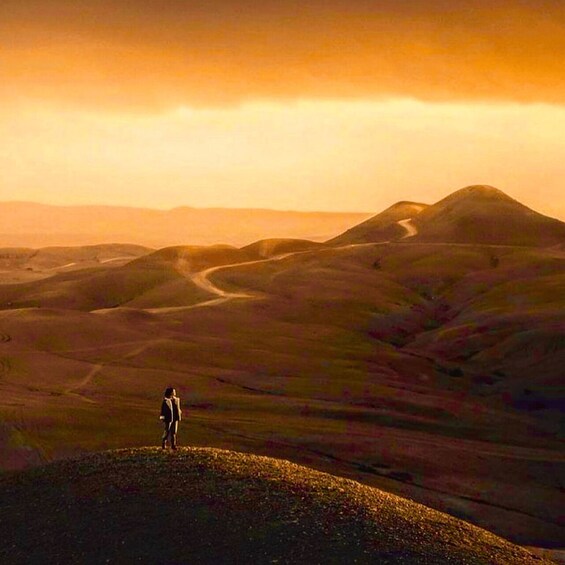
(211, 506)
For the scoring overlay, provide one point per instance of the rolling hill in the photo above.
(476, 214)
(331, 357)
(266, 248)
(382, 227)
(160, 278)
(483, 214)
(19, 265)
(431, 370)
(213, 506)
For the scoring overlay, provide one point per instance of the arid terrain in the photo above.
(421, 352)
(210, 506)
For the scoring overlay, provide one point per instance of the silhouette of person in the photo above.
(171, 415)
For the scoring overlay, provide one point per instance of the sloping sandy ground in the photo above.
(215, 506)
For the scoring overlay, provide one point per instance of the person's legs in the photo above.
(166, 434)
(173, 431)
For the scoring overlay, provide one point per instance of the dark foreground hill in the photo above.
(202, 505)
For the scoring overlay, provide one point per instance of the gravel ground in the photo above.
(201, 505)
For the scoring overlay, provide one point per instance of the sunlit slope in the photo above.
(483, 214)
(213, 506)
(19, 265)
(477, 214)
(382, 227)
(161, 278)
(272, 247)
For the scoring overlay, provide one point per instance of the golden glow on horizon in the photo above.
(281, 104)
(309, 155)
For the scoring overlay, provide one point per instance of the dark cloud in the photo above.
(141, 53)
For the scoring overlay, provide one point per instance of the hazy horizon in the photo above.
(188, 206)
(333, 106)
(180, 207)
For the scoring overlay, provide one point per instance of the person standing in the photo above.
(171, 415)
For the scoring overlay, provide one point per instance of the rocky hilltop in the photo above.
(202, 505)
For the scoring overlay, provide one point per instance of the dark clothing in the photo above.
(170, 433)
(170, 410)
(171, 414)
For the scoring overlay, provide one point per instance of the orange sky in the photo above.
(328, 105)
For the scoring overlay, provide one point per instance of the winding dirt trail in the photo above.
(123, 258)
(62, 266)
(201, 280)
(96, 368)
(411, 229)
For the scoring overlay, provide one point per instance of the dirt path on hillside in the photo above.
(408, 225)
(202, 278)
(96, 368)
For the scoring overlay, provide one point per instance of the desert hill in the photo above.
(476, 214)
(506, 321)
(483, 214)
(382, 227)
(214, 506)
(25, 264)
(272, 247)
(429, 370)
(160, 278)
(401, 366)
(26, 224)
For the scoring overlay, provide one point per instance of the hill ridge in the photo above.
(382, 227)
(227, 507)
(477, 214)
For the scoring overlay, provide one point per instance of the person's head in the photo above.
(170, 392)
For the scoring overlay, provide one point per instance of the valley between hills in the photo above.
(420, 352)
